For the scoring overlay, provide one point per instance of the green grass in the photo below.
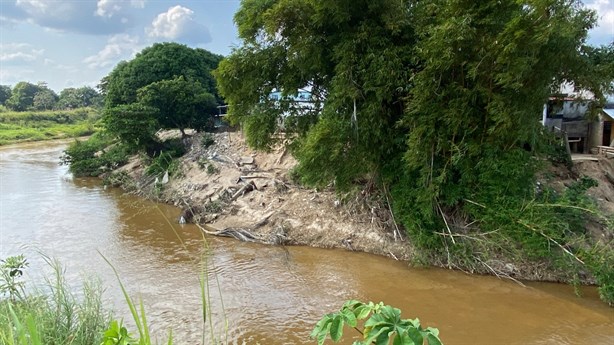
(53, 314)
(45, 125)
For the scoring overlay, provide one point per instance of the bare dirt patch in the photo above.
(228, 186)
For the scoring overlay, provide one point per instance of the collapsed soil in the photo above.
(230, 189)
(277, 210)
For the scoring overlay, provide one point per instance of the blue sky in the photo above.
(70, 43)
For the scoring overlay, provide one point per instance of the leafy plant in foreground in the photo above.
(383, 324)
(116, 334)
(11, 269)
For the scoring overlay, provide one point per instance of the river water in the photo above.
(258, 294)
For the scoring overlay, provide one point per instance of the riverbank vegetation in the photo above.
(18, 126)
(436, 103)
(51, 314)
(33, 112)
(433, 107)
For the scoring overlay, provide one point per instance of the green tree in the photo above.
(71, 98)
(44, 99)
(181, 103)
(5, 93)
(171, 78)
(418, 94)
(161, 61)
(135, 124)
(438, 102)
(22, 96)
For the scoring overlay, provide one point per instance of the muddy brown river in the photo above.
(258, 294)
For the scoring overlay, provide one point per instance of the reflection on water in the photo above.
(270, 295)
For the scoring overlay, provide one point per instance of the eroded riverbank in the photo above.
(271, 294)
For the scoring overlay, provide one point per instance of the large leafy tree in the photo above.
(354, 55)
(72, 98)
(44, 99)
(170, 78)
(22, 96)
(437, 101)
(181, 102)
(132, 123)
(161, 61)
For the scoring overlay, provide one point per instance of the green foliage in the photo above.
(134, 124)
(207, 140)
(181, 103)
(382, 325)
(95, 156)
(164, 158)
(161, 61)
(44, 99)
(5, 93)
(437, 101)
(167, 85)
(117, 334)
(72, 98)
(22, 96)
(11, 270)
(54, 316)
(162, 163)
(45, 125)
(600, 261)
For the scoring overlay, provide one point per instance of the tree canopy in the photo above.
(171, 78)
(72, 98)
(438, 102)
(22, 96)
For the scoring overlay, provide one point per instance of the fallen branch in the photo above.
(248, 187)
(239, 234)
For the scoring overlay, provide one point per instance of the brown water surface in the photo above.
(269, 295)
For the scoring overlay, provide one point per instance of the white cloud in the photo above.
(604, 32)
(107, 8)
(72, 15)
(19, 52)
(118, 47)
(60, 10)
(178, 24)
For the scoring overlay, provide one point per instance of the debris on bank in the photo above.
(231, 190)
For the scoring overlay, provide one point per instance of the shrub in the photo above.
(95, 156)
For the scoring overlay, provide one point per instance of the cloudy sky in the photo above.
(77, 42)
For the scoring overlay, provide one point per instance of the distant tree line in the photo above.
(27, 96)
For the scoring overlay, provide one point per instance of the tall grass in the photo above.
(53, 314)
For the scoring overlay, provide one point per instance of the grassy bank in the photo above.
(45, 125)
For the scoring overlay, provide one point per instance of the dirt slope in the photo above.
(277, 210)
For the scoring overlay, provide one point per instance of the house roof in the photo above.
(609, 112)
